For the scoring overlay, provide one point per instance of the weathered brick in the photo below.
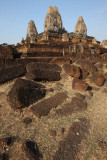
(44, 107)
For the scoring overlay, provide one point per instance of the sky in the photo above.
(15, 15)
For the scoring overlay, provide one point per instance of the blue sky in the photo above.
(15, 15)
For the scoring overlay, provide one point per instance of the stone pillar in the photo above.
(63, 52)
(92, 51)
(70, 49)
(74, 49)
(81, 49)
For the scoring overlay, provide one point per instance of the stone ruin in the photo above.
(50, 65)
(53, 29)
(54, 45)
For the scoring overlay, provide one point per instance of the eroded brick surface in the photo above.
(44, 107)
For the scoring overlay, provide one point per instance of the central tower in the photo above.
(53, 21)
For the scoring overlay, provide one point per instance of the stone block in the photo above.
(44, 107)
(80, 85)
(80, 96)
(69, 146)
(10, 73)
(31, 150)
(43, 66)
(25, 61)
(43, 75)
(10, 62)
(4, 156)
(87, 64)
(77, 104)
(61, 60)
(84, 73)
(72, 70)
(24, 93)
(45, 54)
(98, 79)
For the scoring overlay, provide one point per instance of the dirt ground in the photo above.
(48, 131)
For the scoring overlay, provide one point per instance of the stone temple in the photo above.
(46, 80)
(53, 27)
(55, 42)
